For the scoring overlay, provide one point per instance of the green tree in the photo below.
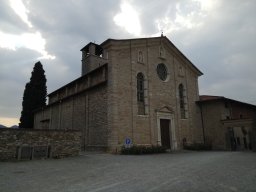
(34, 96)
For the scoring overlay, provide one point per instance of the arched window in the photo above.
(140, 94)
(140, 87)
(182, 101)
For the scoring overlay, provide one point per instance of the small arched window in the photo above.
(182, 101)
(140, 57)
(140, 94)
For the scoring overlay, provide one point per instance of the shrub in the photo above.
(198, 147)
(140, 149)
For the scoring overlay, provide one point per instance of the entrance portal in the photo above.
(165, 133)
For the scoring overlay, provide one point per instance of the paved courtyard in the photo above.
(181, 171)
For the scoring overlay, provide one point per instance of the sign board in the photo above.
(127, 142)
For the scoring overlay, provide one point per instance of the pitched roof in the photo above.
(77, 80)
(98, 48)
(168, 42)
(210, 98)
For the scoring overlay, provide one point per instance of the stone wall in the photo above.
(242, 129)
(213, 131)
(103, 105)
(84, 110)
(222, 122)
(57, 143)
(124, 120)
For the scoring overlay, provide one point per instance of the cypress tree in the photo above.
(34, 96)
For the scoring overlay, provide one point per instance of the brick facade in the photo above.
(161, 97)
(80, 105)
(107, 114)
(227, 123)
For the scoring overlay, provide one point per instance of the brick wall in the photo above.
(216, 124)
(58, 143)
(105, 107)
(123, 117)
(84, 110)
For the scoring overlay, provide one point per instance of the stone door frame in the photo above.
(169, 116)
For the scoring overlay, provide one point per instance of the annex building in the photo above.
(143, 91)
(227, 123)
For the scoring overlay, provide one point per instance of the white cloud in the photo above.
(7, 121)
(33, 41)
(207, 5)
(20, 9)
(128, 19)
(187, 16)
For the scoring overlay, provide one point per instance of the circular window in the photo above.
(162, 71)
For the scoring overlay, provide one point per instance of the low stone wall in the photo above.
(29, 143)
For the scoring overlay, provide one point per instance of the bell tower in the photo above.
(92, 57)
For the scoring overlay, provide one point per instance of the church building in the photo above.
(131, 91)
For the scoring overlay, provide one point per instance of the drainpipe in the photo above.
(202, 121)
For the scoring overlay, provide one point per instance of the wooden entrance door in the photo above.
(165, 133)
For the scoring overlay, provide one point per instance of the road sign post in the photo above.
(127, 142)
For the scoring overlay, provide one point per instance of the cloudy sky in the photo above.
(217, 36)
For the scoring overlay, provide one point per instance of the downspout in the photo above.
(132, 90)
(202, 121)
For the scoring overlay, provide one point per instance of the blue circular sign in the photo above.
(128, 141)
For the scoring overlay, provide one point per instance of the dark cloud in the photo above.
(10, 21)
(67, 27)
(15, 70)
(222, 46)
(76, 19)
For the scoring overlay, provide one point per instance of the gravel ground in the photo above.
(180, 171)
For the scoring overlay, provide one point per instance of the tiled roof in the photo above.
(209, 98)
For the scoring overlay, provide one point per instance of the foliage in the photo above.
(198, 147)
(34, 96)
(139, 150)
